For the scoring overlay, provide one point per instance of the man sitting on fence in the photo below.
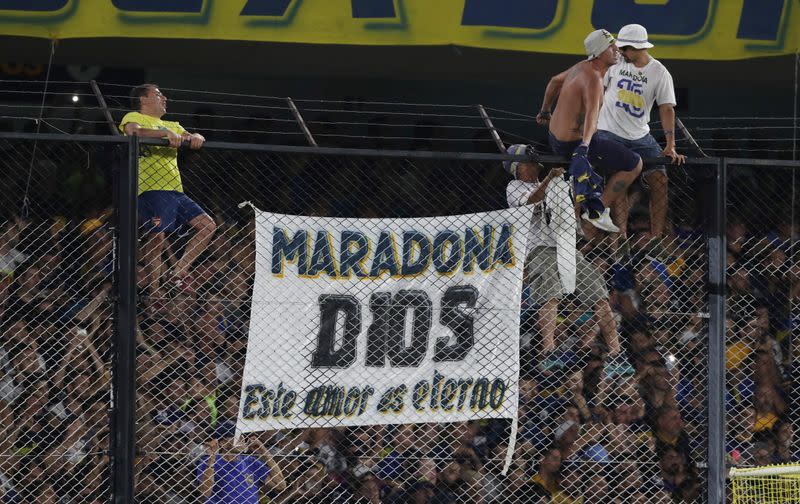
(632, 87)
(163, 206)
(572, 133)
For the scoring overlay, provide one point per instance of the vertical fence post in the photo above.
(716, 338)
(492, 130)
(102, 102)
(301, 122)
(124, 382)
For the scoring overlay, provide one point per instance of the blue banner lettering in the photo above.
(182, 6)
(27, 5)
(276, 8)
(531, 14)
(676, 17)
(373, 9)
(760, 19)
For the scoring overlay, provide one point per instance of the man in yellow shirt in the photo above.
(163, 207)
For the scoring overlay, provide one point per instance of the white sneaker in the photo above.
(603, 222)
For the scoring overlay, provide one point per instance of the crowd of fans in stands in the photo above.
(624, 431)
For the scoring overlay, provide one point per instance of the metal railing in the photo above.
(139, 403)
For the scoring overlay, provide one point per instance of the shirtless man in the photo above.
(572, 133)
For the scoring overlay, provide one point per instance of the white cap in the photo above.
(634, 35)
(597, 42)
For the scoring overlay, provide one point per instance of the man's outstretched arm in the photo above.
(550, 95)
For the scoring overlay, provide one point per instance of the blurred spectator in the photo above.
(367, 490)
(677, 477)
(762, 454)
(784, 438)
(546, 481)
(669, 432)
(228, 474)
(769, 407)
(24, 300)
(10, 256)
(22, 364)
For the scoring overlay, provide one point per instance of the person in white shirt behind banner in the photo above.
(541, 270)
(632, 86)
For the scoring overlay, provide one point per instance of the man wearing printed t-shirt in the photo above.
(632, 87)
(572, 133)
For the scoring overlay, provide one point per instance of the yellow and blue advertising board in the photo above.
(687, 29)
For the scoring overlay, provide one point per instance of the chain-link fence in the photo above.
(617, 396)
(56, 262)
(761, 323)
(613, 379)
(325, 462)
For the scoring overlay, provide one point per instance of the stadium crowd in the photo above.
(592, 429)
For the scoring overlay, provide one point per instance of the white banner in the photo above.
(378, 321)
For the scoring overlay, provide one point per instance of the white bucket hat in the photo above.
(634, 35)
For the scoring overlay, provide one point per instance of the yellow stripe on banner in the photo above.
(700, 29)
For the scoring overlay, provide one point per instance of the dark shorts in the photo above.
(606, 155)
(166, 210)
(646, 147)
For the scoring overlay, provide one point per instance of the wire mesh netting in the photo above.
(762, 313)
(57, 309)
(613, 379)
(612, 390)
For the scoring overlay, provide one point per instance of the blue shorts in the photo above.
(166, 210)
(647, 147)
(607, 155)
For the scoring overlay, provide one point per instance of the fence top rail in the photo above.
(771, 163)
(63, 137)
(339, 151)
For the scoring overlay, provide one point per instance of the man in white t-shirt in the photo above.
(632, 87)
(541, 270)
